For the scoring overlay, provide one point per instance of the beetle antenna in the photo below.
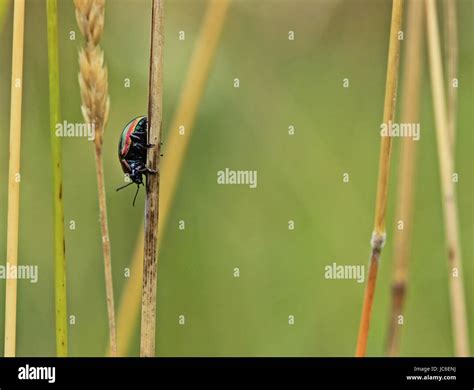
(126, 185)
(136, 194)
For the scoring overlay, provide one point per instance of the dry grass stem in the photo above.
(14, 175)
(446, 168)
(409, 114)
(378, 236)
(93, 83)
(155, 117)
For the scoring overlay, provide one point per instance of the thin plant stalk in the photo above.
(446, 168)
(451, 44)
(155, 110)
(378, 235)
(93, 81)
(14, 175)
(193, 89)
(409, 114)
(59, 245)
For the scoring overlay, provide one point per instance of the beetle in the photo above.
(132, 152)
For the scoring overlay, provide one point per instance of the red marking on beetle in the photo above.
(128, 140)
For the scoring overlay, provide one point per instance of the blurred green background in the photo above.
(282, 83)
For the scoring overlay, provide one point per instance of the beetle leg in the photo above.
(135, 137)
(140, 146)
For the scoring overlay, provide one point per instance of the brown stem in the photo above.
(106, 250)
(410, 114)
(155, 109)
(369, 297)
(378, 237)
(398, 301)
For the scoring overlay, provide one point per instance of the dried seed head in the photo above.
(93, 78)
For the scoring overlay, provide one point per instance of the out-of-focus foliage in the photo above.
(282, 83)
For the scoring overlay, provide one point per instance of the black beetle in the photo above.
(132, 152)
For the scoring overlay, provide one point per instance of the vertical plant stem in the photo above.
(193, 89)
(93, 81)
(14, 175)
(446, 168)
(109, 289)
(59, 244)
(155, 109)
(409, 114)
(451, 43)
(378, 235)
